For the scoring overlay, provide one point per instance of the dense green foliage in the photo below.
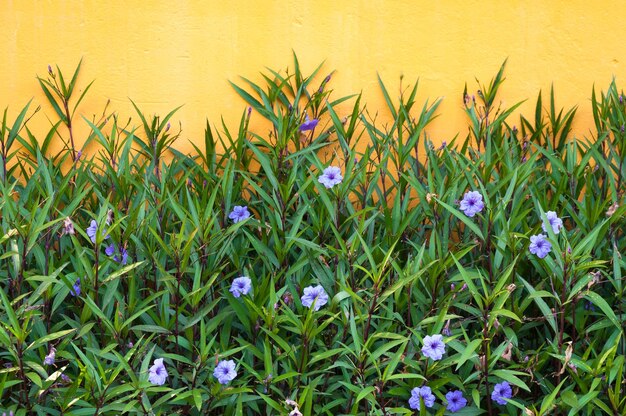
(390, 245)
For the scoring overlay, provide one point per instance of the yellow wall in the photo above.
(166, 53)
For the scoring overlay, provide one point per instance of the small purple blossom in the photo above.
(65, 378)
(240, 286)
(554, 221)
(472, 203)
(110, 250)
(539, 245)
(330, 177)
(92, 231)
(501, 393)
(314, 296)
(124, 257)
(434, 347)
(49, 359)
(308, 124)
(239, 213)
(158, 373)
(75, 290)
(225, 371)
(456, 401)
(425, 393)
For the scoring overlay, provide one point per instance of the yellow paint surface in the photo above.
(166, 53)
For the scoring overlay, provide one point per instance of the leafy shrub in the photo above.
(335, 265)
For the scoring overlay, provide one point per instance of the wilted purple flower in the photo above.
(158, 373)
(425, 393)
(49, 359)
(456, 401)
(539, 245)
(68, 227)
(239, 213)
(472, 203)
(314, 296)
(92, 230)
(501, 392)
(75, 290)
(330, 177)
(434, 347)
(225, 371)
(555, 222)
(240, 286)
(65, 378)
(308, 124)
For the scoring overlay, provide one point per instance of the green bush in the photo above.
(378, 268)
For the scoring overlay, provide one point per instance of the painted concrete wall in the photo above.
(166, 53)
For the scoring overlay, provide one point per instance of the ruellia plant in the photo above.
(336, 262)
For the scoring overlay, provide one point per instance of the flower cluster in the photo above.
(539, 244)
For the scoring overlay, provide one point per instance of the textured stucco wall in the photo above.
(163, 54)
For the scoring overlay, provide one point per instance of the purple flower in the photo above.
(425, 393)
(456, 401)
(314, 296)
(539, 245)
(49, 359)
(501, 392)
(65, 378)
(110, 251)
(555, 222)
(472, 203)
(239, 213)
(225, 371)
(158, 373)
(92, 230)
(240, 286)
(75, 290)
(308, 124)
(331, 177)
(124, 259)
(434, 347)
